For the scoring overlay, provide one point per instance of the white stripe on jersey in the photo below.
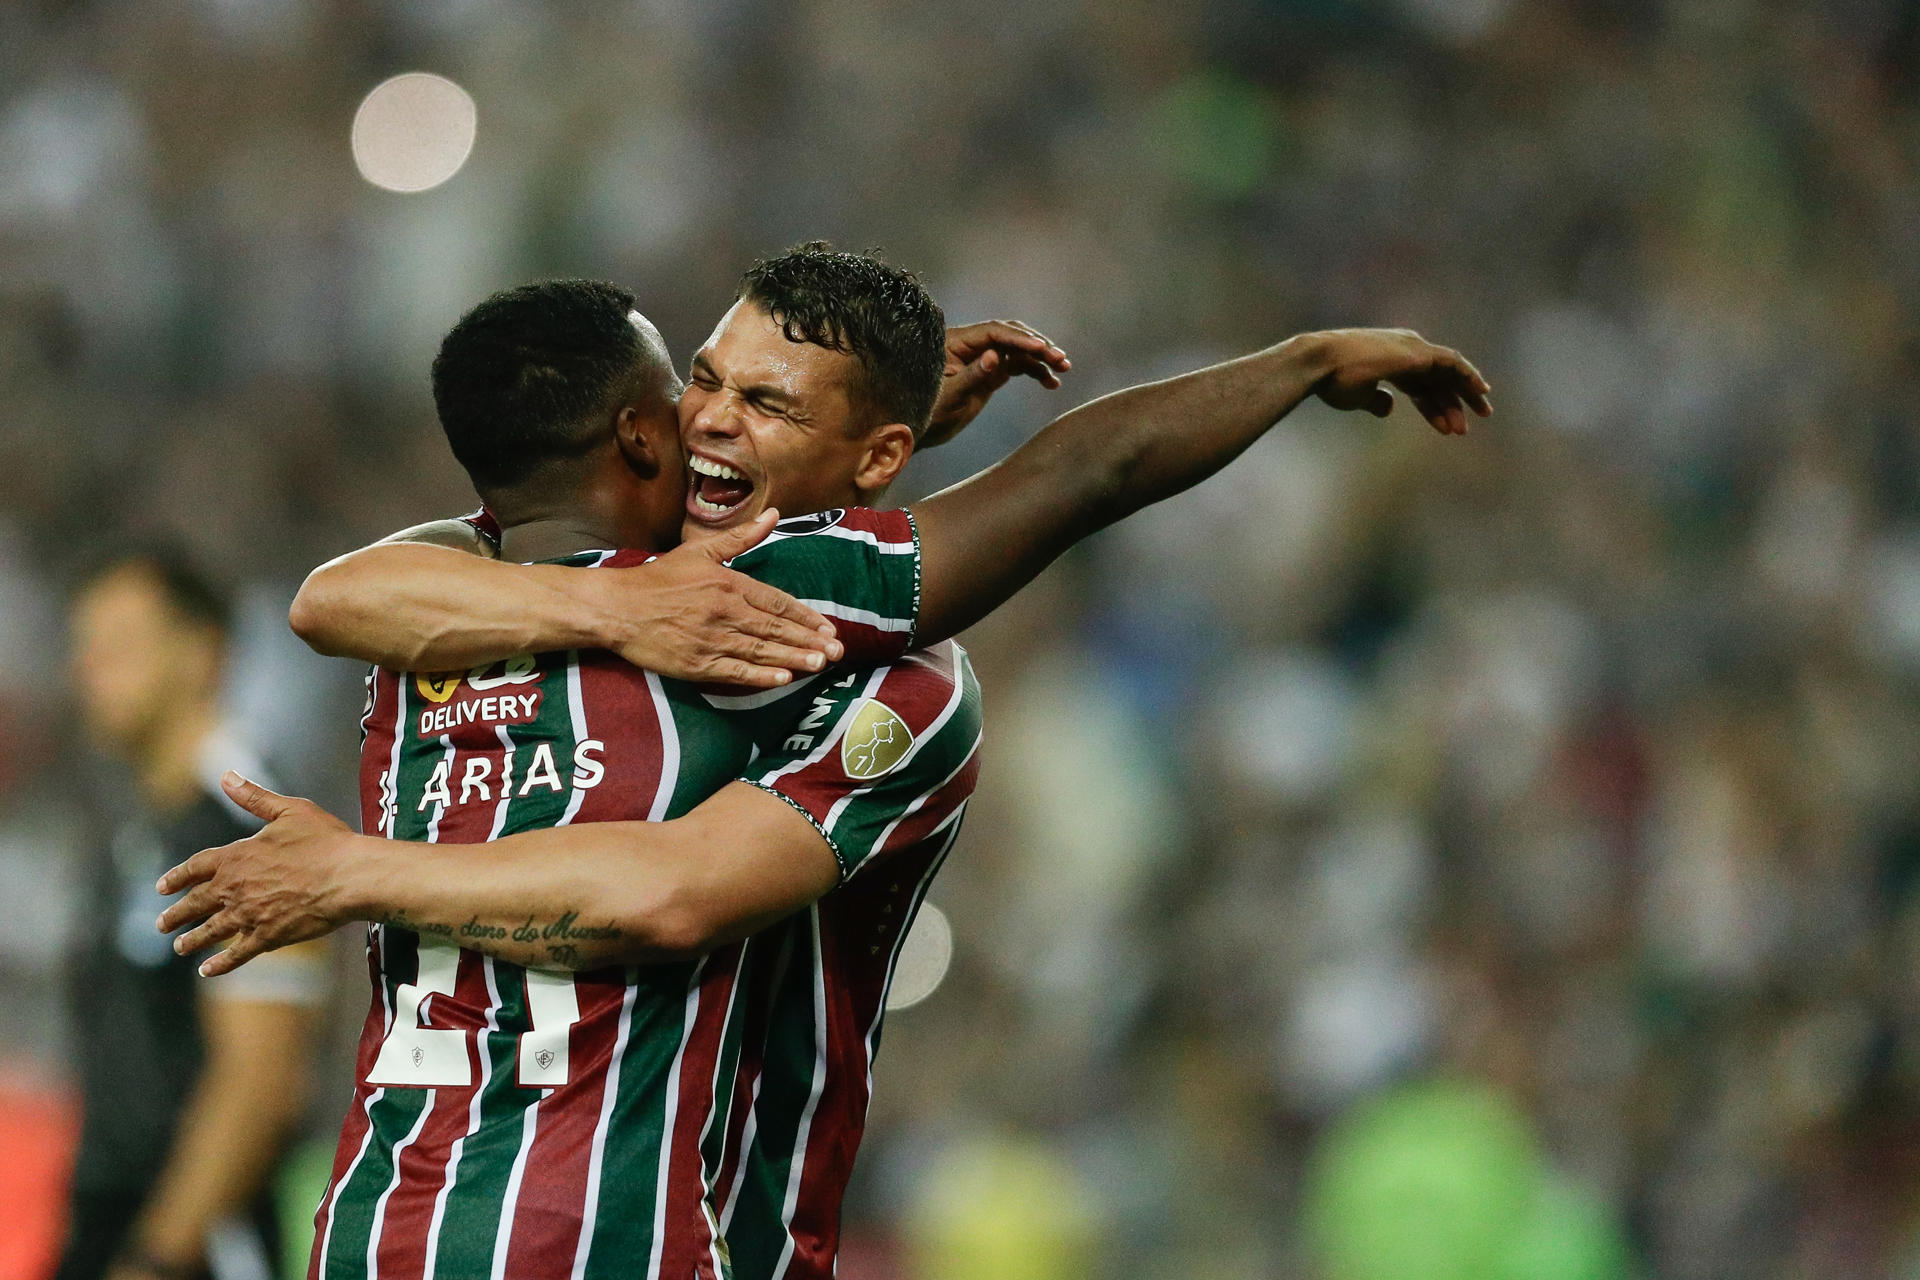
(840, 727)
(380, 1206)
(841, 531)
(392, 822)
(577, 706)
(714, 1111)
(668, 1120)
(473, 1110)
(881, 844)
(669, 749)
(865, 617)
(765, 697)
(439, 806)
(509, 1207)
(920, 740)
(591, 1207)
(798, 1163)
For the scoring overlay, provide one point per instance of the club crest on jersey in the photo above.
(495, 694)
(876, 741)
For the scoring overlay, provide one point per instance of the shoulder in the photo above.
(885, 532)
(926, 701)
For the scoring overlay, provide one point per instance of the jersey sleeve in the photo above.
(858, 566)
(883, 758)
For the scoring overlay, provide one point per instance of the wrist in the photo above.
(1314, 355)
(354, 890)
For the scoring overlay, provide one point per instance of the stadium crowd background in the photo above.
(1532, 818)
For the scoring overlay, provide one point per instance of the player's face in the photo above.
(767, 422)
(135, 658)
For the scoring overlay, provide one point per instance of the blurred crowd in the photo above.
(1532, 818)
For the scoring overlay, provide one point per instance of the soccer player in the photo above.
(777, 410)
(188, 1087)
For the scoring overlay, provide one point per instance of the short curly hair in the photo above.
(529, 376)
(859, 305)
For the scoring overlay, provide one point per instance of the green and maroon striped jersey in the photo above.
(885, 779)
(513, 1122)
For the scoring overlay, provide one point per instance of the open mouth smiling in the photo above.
(715, 490)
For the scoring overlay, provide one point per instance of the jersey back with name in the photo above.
(522, 1122)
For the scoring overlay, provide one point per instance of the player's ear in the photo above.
(630, 433)
(888, 449)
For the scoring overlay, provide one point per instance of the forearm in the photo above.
(413, 607)
(576, 897)
(246, 1100)
(990, 535)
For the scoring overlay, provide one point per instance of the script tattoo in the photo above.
(558, 938)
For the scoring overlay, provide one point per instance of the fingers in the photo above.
(789, 612)
(740, 539)
(216, 928)
(802, 639)
(254, 798)
(969, 341)
(241, 950)
(196, 906)
(194, 870)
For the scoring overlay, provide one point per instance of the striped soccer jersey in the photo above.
(888, 788)
(511, 1122)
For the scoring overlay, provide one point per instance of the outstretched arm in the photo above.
(985, 538)
(574, 897)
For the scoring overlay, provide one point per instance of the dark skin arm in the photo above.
(988, 536)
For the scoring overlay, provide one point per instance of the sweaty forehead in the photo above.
(749, 346)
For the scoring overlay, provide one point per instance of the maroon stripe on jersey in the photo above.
(887, 526)
(621, 714)
(353, 1130)
(423, 1165)
(755, 1022)
(855, 959)
(548, 1215)
(839, 1121)
(376, 753)
(917, 688)
(921, 823)
(686, 1248)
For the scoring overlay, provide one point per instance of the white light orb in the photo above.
(924, 958)
(413, 132)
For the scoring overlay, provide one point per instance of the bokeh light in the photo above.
(413, 132)
(924, 958)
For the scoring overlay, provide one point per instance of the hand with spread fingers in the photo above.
(273, 889)
(981, 359)
(689, 617)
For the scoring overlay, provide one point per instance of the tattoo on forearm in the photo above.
(561, 934)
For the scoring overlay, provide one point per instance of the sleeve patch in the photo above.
(876, 741)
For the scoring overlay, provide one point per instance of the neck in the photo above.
(598, 504)
(168, 762)
(550, 537)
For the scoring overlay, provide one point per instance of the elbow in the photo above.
(673, 924)
(311, 612)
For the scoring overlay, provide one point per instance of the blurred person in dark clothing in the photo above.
(188, 1088)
